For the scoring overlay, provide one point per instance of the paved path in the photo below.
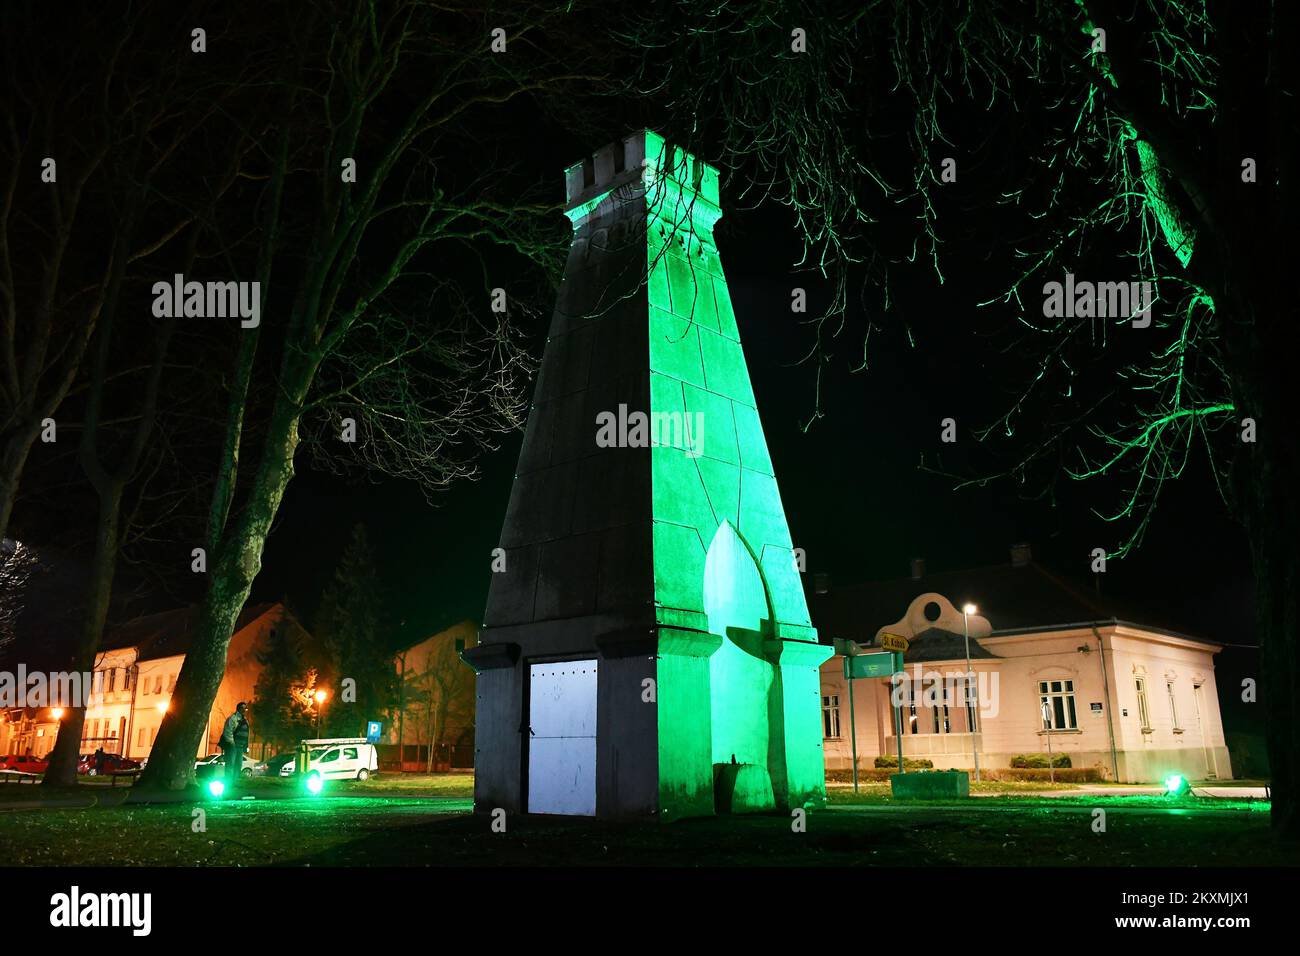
(1208, 790)
(1110, 790)
(980, 807)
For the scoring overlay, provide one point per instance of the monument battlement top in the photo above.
(642, 157)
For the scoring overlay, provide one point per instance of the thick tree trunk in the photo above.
(171, 761)
(1270, 475)
(1277, 576)
(17, 446)
(1266, 488)
(62, 771)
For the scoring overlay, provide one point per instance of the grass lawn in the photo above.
(419, 785)
(878, 791)
(425, 821)
(422, 784)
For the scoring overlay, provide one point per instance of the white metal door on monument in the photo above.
(562, 738)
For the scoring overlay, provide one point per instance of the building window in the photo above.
(904, 693)
(942, 723)
(831, 715)
(112, 681)
(972, 715)
(139, 738)
(1144, 713)
(1056, 699)
(1173, 707)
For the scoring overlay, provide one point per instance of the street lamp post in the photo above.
(1047, 728)
(966, 611)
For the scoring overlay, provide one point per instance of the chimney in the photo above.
(821, 582)
(918, 568)
(1021, 555)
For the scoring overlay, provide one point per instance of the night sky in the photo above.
(856, 499)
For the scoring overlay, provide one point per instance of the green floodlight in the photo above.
(1176, 785)
(314, 783)
(216, 787)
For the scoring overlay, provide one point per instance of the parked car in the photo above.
(343, 759)
(24, 763)
(110, 763)
(216, 764)
(275, 765)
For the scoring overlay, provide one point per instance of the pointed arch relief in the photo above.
(740, 677)
(736, 599)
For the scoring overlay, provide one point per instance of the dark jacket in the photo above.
(235, 733)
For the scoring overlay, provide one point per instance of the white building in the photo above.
(135, 675)
(1054, 666)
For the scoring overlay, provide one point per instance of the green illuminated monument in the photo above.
(646, 648)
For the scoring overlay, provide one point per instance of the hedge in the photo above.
(995, 774)
(890, 762)
(1064, 775)
(865, 775)
(1031, 761)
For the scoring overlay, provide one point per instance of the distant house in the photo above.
(434, 722)
(134, 677)
(1055, 666)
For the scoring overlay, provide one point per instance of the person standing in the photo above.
(234, 742)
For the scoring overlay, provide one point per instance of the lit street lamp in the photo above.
(319, 697)
(966, 611)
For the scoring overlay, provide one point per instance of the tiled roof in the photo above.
(169, 633)
(1011, 597)
(936, 644)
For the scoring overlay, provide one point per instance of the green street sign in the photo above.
(869, 665)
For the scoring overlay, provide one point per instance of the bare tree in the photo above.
(93, 135)
(154, 177)
(440, 695)
(1166, 126)
(369, 326)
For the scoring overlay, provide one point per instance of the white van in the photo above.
(342, 758)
